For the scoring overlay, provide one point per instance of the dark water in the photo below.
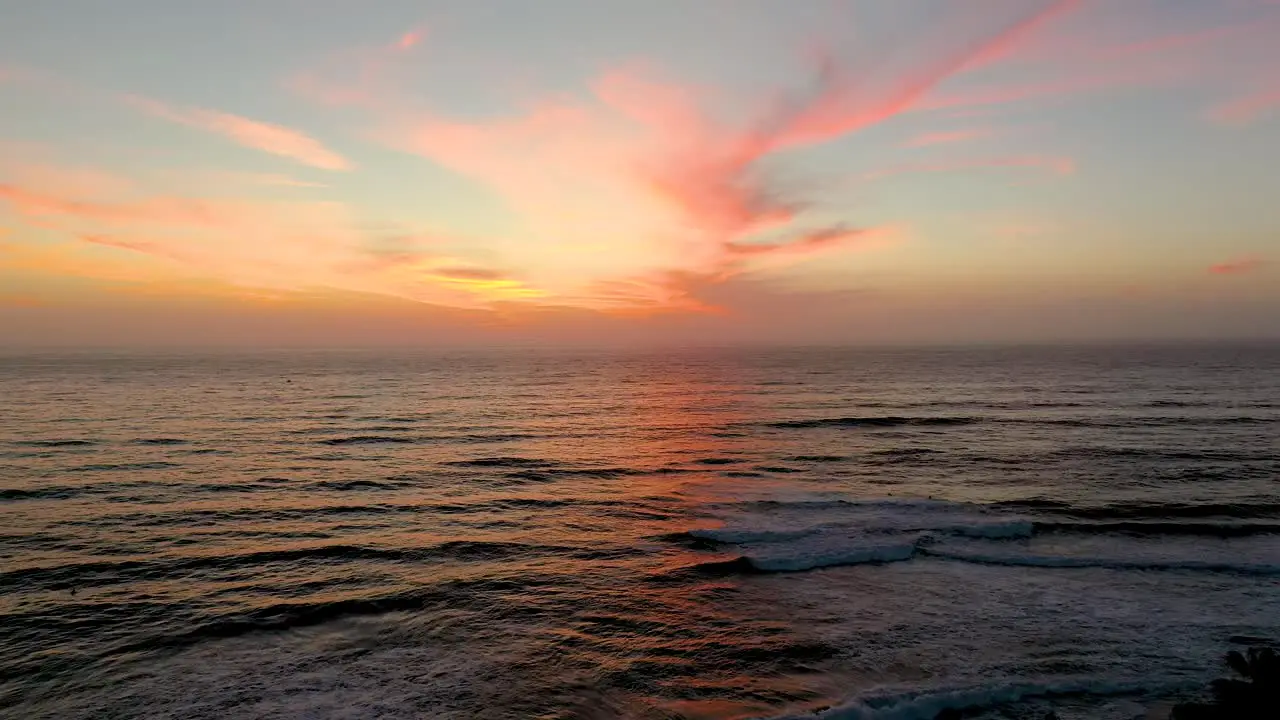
(710, 534)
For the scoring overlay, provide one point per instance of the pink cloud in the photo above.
(643, 178)
(802, 244)
(270, 180)
(1086, 64)
(156, 211)
(29, 168)
(843, 103)
(1020, 34)
(267, 137)
(941, 138)
(1239, 266)
(1247, 108)
(1054, 164)
(359, 77)
(410, 39)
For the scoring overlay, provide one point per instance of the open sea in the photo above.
(710, 534)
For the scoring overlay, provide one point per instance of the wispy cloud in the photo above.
(279, 245)
(264, 136)
(1053, 164)
(1238, 266)
(945, 137)
(270, 180)
(644, 178)
(1084, 65)
(20, 300)
(1249, 107)
(411, 39)
(1015, 230)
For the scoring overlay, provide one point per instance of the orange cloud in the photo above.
(19, 300)
(468, 273)
(163, 211)
(642, 177)
(1239, 266)
(267, 137)
(266, 244)
(644, 192)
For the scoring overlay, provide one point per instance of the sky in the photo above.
(446, 172)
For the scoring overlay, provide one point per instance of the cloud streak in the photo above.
(1052, 164)
(643, 177)
(255, 134)
(1249, 107)
(945, 138)
(1238, 266)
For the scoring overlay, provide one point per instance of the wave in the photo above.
(1060, 561)
(995, 530)
(1245, 509)
(502, 462)
(72, 575)
(1159, 454)
(108, 467)
(831, 556)
(797, 536)
(160, 441)
(746, 536)
(520, 477)
(288, 616)
(55, 443)
(905, 550)
(929, 704)
(876, 422)
(356, 485)
(1141, 421)
(1146, 527)
(366, 440)
(905, 452)
(48, 493)
(482, 438)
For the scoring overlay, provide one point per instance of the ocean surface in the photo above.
(698, 534)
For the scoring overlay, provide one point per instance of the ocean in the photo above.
(728, 533)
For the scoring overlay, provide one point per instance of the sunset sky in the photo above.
(444, 172)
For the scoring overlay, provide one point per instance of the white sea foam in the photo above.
(792, 537)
